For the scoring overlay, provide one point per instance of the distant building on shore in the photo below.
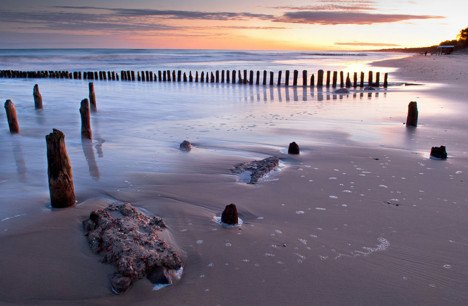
(445, 49)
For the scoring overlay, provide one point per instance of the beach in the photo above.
(362, 216)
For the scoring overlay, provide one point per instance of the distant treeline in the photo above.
(461, 42)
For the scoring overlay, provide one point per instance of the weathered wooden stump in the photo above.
(304, 78)
(328, 78)
(279, 77)
(342, 82)
(335, 78)
(11, 117)
(62, 193)
(293, 148)
(92, 97)
(230, 215)
(412, 118)
(320, 78)
(385, 82)
(37, 97)
(85, 120)
(348, 81)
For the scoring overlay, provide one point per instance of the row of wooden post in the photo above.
(234, 77)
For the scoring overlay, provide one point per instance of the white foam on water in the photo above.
(320, 208)
(218, 220)
(300, 212)
(333, 197)
(383, 186)
(278, 231)
(199, 241)
(303, 241)
(16, 216)
(160, 286)
(332, 178)
(260, 218)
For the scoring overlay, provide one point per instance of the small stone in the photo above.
(230, 215)
(285, 245)
(186, 146)
(439, 152)
(341, 91)
(293, 148)
(120, 283)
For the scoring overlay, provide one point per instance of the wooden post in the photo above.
(228, 76)
(342, 81)
(240, 77)
(11, 117)
(185, 77)
(113, 76)
(141, 77)
(37, 97)
(117, 76)
(328, 78)
(179, 76)
(377, 79)
(251, 77)
(320, 78)
(95, 75)
(92, 97)
(335, 78)
(174, 77)
(233, 77)
(190, 77)
(168, 75)
(348, 81)
(196, 77)
(222, 76)
(279, 77)
(369, 80)
(295, 76)
(202, 77)
(258, 78)
(85, 120)
(208, 77)
(245, 76)
(212, 78)
(133, 75)
(412, 118)
(264, 77)
(159, 76)
(62, 192)
(286, 78)
(304, 78)
(385, 82)
(272, 77)
(164, 76)
(355, 79)
(217, 76)
(151, 76)
(312, 80)
(362, 79)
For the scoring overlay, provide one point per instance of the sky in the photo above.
(236, 24)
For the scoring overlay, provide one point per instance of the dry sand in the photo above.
(326, 230)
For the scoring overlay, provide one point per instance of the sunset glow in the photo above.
(268, 25)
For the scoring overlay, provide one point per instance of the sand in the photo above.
(361, 217)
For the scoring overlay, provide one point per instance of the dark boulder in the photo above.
(439, 152)
(293, 148)
(186, 146)
(120, 283)
(230, 215)
(159, 275)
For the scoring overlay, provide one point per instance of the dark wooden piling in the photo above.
(79, 75)
(342, 81)
(320, 78)
(228, 76)
(179, 76)
(312, 80)
(92, 97)
(62, 192)
(412, 118)
(335, 78)
(286, 78)
(222, 76)
(212, 78)
(385, 82)
(185, 77)
(377, 79)
(109, 75)
(115, 76)
(234, 77)
(348, 81)
(245, 76)
(362, 79)
(168, 75)
(164, 75)
(208, 77)
(124, 75)
(272, 77)
(133, 75)
(151, 76)
(217, 76)
(295, 76)
(370, 79)
(328, 78)
(141, 76)
(251, 77)
(257, 82)
(304, 78)
(95, 75)
(85, 120)
(190, 77)
(174, 76)
(265, 77)
(37, 97)
(196, 76)
(355, 80)
(11, 117)
(202, 77)
(230, 215)
(279, 77)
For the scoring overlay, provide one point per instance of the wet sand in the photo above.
(361, 217)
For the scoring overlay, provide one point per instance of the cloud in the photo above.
(328, 7)
(365, 44)
(334, 18)
(176, 14)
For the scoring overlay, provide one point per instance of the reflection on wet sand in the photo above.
(19, 158)
(88, 151)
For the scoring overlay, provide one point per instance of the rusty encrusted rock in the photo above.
(128, 240)
(230, 215)
(259, 168)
